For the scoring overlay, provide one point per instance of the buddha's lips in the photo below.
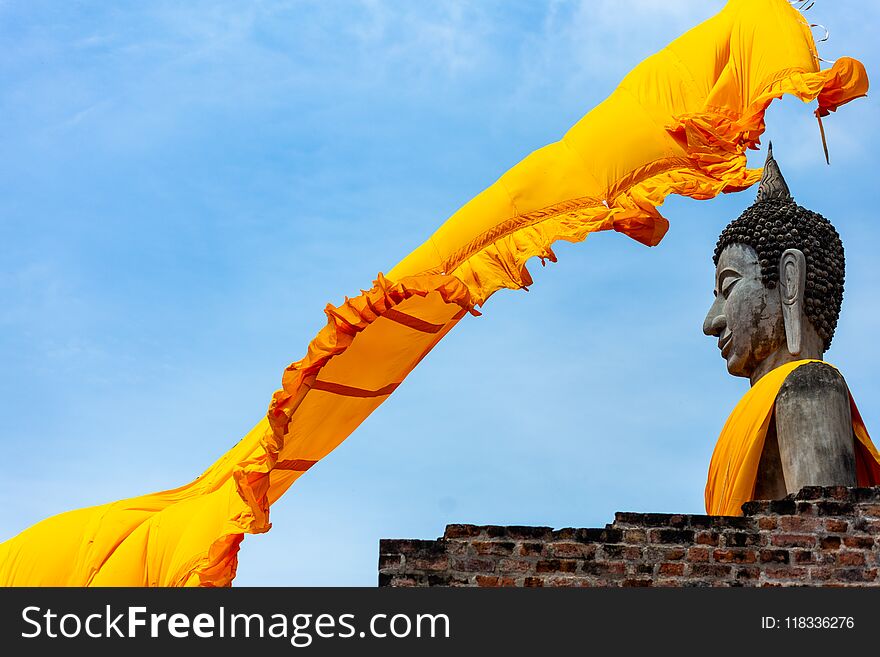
(724, 343)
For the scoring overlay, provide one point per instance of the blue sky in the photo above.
(185, 186)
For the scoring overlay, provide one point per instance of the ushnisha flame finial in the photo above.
(772, 185)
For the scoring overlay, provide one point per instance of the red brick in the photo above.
(404, 582)
(570, 550)
(427, 563)
(821, 573)
(514, 566)
(830, 543)
(676, 569)
(474, 564)
(734, 555)
(639, 568)
(860, 542)
(665, 553)
(773, 556)
(699, 554)
(710, 570)
(603, 568)
(462, 531)
(637, 582)
(569, 581)
(767, 522)
(851, 559)
(496, 548)
(803, 556)
(556, 566)
(837, 493)
(632, 553)
(673, 554)
(872, 510)
(706, 538)
(799, 523)
(836, 525)
(558, 581)
(792, 572)
(634, 536)
(748, 573)
(855, 574)
(533, 581)
(488, 580)
(530, 549)
(793, 540)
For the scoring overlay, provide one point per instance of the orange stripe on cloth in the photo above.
(350, 391)
(412, 322)
(299, 465)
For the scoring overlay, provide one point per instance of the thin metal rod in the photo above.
(824, 143)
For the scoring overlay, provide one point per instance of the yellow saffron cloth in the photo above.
(733, 470)
(679, 123)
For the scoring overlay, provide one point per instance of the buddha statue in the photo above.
(778, 291)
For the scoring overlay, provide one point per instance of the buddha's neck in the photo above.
(811, 348)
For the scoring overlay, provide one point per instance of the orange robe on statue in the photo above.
(733, 470)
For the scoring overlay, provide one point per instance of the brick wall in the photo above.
(819, 537)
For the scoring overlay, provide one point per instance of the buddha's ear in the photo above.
(792, 281)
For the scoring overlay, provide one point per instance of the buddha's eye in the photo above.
(728, 285)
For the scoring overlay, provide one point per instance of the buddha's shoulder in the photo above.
(813, 379)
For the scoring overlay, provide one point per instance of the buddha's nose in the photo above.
(715, 321)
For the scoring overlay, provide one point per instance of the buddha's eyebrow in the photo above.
(728, 271)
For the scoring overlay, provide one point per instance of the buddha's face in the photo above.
(746, 317)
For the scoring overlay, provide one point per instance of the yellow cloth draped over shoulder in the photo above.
(679, 123)
(733, 469)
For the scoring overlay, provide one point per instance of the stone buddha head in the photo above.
(779, 271)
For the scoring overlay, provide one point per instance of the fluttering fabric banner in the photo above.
(679, 123)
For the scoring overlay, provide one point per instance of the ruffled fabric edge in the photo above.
(715, 142)
(249, 513)
(344, 323)
(716, 139)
